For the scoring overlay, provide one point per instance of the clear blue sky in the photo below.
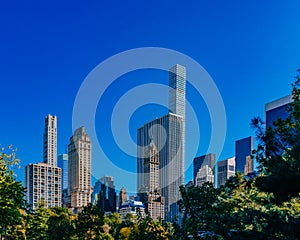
(47, 48)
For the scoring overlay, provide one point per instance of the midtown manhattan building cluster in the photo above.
(65, 179)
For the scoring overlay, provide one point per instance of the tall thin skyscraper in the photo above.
(43, 180)
(79, 169)
(177, 85)
(50, 140)
(168, 135)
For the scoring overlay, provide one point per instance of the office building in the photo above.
(50, 140)
(79, 170)
(277, 109)
(62, 162)
(226, 169)
(205, 174)
(43, 180)
(208, 159)
(168, 135)
(243, 149)
(104, 194)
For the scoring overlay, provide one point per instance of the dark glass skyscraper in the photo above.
(62, 162)
(243, 149)
(104, 195)
(277, 109)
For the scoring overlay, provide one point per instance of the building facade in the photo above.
(43, 184)
(226, 169)
(132, 207)
(104, 194)
(79, 170)
(243, 149)
(249, 167)
(208, 159)
(168, 135)
(205, 174)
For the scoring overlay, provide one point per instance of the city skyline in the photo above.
(250, 49)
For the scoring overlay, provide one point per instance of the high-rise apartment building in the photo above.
(79, 170)
(50, 140)
(104, 194)
(43, 184)
(43, 180)
(168, 135)
(207, 159)
(243, 149)
(226, 169)
(62, 162)
(277, 109)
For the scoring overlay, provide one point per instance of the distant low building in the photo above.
(226, 169)
(132, 207)
(205, 174)
(122, 196)
(249, 167)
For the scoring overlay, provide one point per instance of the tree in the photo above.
(114, 221)
(11, 194)
(147, 228)
(89, 223)
(278, 152)
(61, 224)
(37, 222)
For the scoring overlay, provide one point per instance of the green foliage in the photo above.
(60, 224)
(147, 228)
(278, 152)
(11, 194)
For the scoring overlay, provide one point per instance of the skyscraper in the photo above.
(226, 169)
(79, 169)
(43, 180)
(155, 203)
(50, 140)
(208, 159)
(104, 194)
(168, 135)
(277, 109)
(243, 149)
